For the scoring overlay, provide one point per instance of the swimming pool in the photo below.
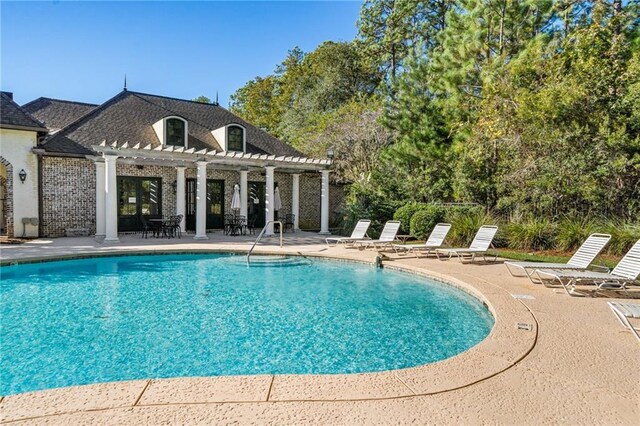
(121, 318)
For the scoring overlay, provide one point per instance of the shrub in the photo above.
(573, 231)
(532, 234)
(465, 223)
(362, 204)
(623, 236)
(404, 215)
(423, 221)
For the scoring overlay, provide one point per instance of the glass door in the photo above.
(256, 194)
(190, 211)
(215, 204)
(214, 207)
(137, 196)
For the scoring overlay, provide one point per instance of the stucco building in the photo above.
(97, 169)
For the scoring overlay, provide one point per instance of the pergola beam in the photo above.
(173, 156)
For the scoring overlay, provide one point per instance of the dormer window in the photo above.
(172, 131)
(175, 132)
(235, 138)
(231, 137)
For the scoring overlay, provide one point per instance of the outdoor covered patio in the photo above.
(132, 181)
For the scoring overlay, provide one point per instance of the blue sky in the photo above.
(81, 50)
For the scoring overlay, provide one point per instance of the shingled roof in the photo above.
(129, 117)
(12, 116)
(57, 113)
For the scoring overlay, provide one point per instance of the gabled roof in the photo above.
(14, 117)
(129, 117)
(57, 113)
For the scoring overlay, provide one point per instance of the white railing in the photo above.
(260, 236)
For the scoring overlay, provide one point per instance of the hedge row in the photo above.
(526, 234)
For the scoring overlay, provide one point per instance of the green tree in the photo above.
(355, 133)
(391, 30)
(479, 38)
(257, 103)
(421, 155)
(292, 102)
(563, 124)
(203, 99)
(327, 78)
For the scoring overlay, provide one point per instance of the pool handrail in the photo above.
(260, 236)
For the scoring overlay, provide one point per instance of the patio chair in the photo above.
(146, 227)
(387, 236)
(624, 312)
(228, 223)
(435, 240)
(289, 220)
(626, 272)
(251, 225)
(238, 226)
(580, 261)
(175, 225)
(479, 246)
(358, 233)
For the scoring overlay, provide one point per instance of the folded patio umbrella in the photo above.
(235, 200)
(277, 204)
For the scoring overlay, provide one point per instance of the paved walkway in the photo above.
(576, 366)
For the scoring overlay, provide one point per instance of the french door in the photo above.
(138, 196)
(214, 205)
(256, 194)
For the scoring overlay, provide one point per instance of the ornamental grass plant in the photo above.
(531, 234)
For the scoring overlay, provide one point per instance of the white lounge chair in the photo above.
(580, 260)
(626, 272)
(479, 246)
(359, 233)
(624, 312)
(387, 236)
(435, 240)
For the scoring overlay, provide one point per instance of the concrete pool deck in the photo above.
(576, 363)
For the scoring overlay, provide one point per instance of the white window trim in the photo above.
(160, 127)
(221, 133)
(244, 136)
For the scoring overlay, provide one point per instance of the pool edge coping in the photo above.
(503, 348)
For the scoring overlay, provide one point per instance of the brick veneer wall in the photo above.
(68, 195)
(310, 186)
(68, 192)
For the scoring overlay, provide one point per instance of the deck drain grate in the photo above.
(523, 296)
(524, 326)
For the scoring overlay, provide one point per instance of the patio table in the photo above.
(161, 226)
(237, 226)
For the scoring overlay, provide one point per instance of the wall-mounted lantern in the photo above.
(23, 175)
(174, 185)
(330, 153)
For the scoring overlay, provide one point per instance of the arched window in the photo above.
(175, 132)
(235, 138)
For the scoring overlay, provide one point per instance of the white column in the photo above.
(295, 200)
(100, 198)
(201, 202)
(324, 204)
(243, 193)
(268, 209)
(180, 195)
(111, 200)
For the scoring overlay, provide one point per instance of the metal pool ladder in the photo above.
(260, 236)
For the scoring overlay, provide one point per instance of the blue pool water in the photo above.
(119, 318)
